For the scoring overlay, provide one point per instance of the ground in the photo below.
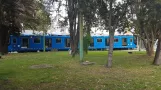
(129, 72)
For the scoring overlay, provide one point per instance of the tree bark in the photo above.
(110, 52)
(149, 47)
(111, 34)
(157, 58)
(5, 41)
(72, 15)
(0, 43)
(150, 51)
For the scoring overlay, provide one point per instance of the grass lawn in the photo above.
(129, 72)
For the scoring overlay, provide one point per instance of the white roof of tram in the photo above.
(97, 33)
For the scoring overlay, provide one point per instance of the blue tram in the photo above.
(25, 43)
(120, 42)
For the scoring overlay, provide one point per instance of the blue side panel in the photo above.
(34, 45)
(14, 44)
(117, 42)
(58, 42)
(31, 45)
(99, 42)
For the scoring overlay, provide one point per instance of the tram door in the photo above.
(14, 43)
(48, 43)
(107, 40)
(124, 41)
(67, 42)
(25, 43)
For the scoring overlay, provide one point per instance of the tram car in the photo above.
(26, 43)
(120, 42)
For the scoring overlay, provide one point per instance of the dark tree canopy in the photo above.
(16, 15)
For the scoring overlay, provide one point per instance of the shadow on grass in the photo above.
(6, 82)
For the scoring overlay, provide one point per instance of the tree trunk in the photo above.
(110, 52)
(6, 39)
(111, 33)
(150, 51)
(74, 39)
(0, 43)
(157, 58)
(149, 47)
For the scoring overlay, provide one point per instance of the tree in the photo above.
(12, 15)
(145, 22)
(112, 14)
(88, 10)
(157, 59)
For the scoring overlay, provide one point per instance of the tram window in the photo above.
(67, 42)
(116, 40)
(58, 40)
(14, 40)
(99, 40)
(36, 40)
(92, 43)
(130, 39)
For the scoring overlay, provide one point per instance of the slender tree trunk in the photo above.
(157, 59)
(111, 33)
(110, 52)
(0, 43)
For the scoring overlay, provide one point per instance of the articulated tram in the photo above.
(26, 43)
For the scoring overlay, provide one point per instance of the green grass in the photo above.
(129, 72)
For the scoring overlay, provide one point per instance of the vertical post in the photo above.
(81, 36)
(43, 41)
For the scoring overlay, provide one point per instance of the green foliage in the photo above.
(118, 12)
(146, 22)
(30, 13)
(41, 20)
(86, 42)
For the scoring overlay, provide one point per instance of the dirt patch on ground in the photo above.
(39, 66)
(88, 63)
